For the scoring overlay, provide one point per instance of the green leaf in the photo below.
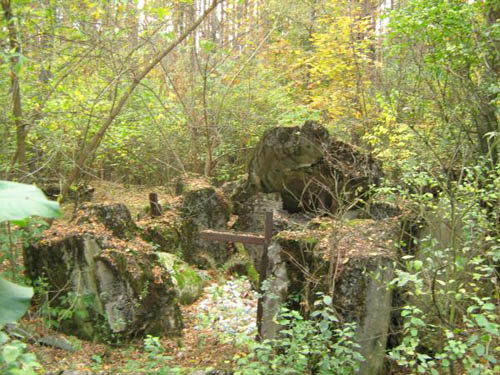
(82, 314)
(488, 306)
(162, 12)
(324, 326)
(484, 323)
(19, 201)
(3, 338)
(14, 301)
(418, 265)
(10, 353)
(480, 350)
(405, 312)
(417, 322)
(207, 45)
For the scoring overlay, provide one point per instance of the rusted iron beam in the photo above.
(213, 235)
(252, 239)
(264, 262)
(268, 229)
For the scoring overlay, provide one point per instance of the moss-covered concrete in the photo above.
(115, 217)
(203, 207)
(310, 169)
(240, 263)
(352, 262)
(164, 234)
(112, 289)
(188, 283)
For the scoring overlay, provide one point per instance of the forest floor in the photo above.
(215, 326)
(206, 342)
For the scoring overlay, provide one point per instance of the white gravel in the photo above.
(229, 309)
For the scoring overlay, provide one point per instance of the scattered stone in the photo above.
(229, 309)
(56, 342)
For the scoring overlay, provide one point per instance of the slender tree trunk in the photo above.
(206, 122)
(487, 124)
(90, 148)
(17, 112)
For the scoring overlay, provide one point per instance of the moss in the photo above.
(241, 264)
(307, 239)
(252, 274)
(189, 284)
(354, 223)
(165, 235)
(185, 275)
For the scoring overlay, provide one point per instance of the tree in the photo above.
(15, 67)
(89, 148)
(442, 72)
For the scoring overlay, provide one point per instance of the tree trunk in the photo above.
(89, 149)
(486, 112)
(17, 112)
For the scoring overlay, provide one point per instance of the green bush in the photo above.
(14, 360)
(451, 323)
(314, 346)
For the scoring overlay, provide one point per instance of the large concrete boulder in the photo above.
(187, 281)
(164, 231)
(199, 206)
(203, 207)
(115, 217)
(113, 289)
(310, 169)
(352, 261)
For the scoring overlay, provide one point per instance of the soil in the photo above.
(196, 349)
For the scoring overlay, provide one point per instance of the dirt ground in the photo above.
(196, 349)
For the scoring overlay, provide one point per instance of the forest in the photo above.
(142, 143)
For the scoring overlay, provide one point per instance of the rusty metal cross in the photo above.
(253, 239)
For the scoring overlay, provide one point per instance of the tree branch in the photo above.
(90, 148)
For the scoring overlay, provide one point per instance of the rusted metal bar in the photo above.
(155, 207)
(252, 239)
(268, 229)
(268, 234)
(213, 235)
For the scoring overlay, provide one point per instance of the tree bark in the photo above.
(485, 113)
(17, 112)
(90, 148)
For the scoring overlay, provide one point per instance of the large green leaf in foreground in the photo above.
(19, 201)
(14, 301)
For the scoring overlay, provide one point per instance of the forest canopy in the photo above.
(141, 91)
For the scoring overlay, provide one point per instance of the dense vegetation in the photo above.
(140, 92)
